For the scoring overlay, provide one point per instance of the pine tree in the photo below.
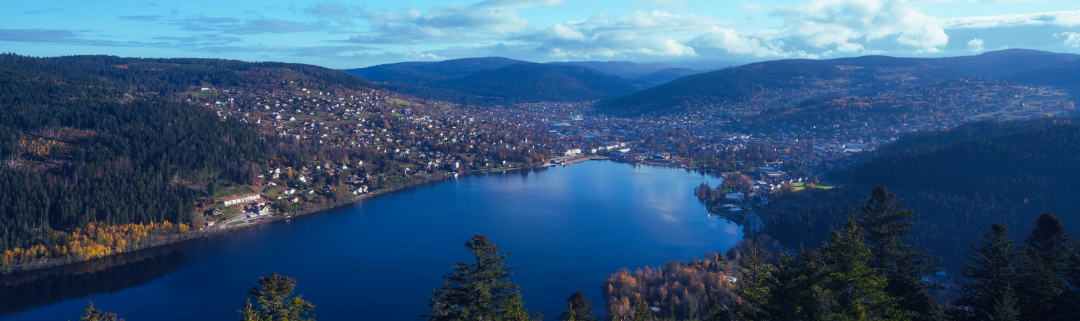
(97, 315)
(578, 308)
(791, 285)
(884, 223)
(480, 291)
(1046, 252)
(994, 271)
(516, 309)
(641, 309)
(753, 291)
(851, 289)
(273, 295)
(1005, 308)
(1072, 275)
(717, 312)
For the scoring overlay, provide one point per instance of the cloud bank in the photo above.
(346, 31)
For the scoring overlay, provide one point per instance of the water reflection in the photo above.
(27, 289)
(567, 228)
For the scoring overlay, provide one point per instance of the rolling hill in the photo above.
(662, 76)
(725, 85)
(625, 69)
(427, 72)
(498, 81)
(871, 73)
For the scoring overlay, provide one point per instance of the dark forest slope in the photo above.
(665, 75)
(722, 86)
(529, 82)
(959, 182)
(106, 139)
(427, 72)
(499, 81)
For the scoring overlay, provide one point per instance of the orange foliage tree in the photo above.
(680, 290)
(94, 241)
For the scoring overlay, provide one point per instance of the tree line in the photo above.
(957, 182)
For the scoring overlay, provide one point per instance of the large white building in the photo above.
(241, 199)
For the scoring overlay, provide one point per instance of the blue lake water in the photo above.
(566, 228)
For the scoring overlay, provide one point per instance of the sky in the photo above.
(352, 34)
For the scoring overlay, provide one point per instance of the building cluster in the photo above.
(417, 139)
(775, 127)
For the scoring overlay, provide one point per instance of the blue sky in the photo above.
(349, 34)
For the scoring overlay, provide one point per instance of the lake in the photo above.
(566, 228)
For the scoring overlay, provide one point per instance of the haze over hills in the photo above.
(663, 76)
(641, 71)
(869, 74)
(427, 72)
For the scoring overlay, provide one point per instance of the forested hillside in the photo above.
(529, 82)
(665, 75)
(723, 86)
(98, 146)
(859, 76)
(498, 81)
(1056, 75)
(958, 182)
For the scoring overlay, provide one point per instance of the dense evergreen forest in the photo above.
(91, 143)
(957, 182)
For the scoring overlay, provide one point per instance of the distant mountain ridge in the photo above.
(426, 72)
(498, 81)
(663, 76)
(633, 88)
(873, 73)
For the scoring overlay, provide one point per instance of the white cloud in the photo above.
(563, 32)
(1067, 19)
(976, 45)
(416, 54)
(1062, 19)
(1072, 39)
(751, 7)
(633, 35)
(730, 41)
(845, 25)
(454, 23)
(675, 4)
(817, 28)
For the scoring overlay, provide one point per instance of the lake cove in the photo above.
(566, 228)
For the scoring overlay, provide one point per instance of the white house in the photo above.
(241, 199)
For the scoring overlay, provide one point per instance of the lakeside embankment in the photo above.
(305, 210)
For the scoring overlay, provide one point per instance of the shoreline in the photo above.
(208, 232)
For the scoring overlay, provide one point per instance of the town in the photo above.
(411, 140)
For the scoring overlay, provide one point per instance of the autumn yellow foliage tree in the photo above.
(94, 241)
(680, 290)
